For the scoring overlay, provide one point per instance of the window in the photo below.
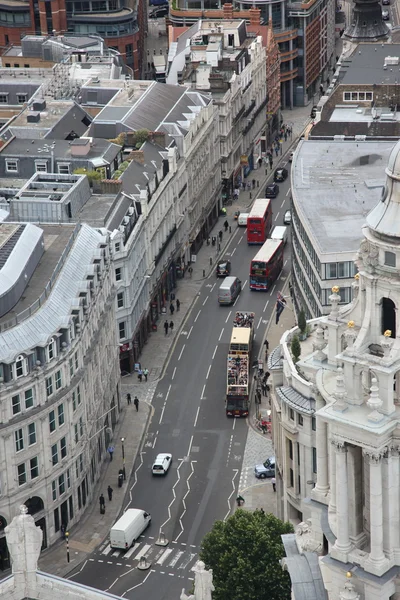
(52, 421)
(57, 520)
(118, 274)
(314, 424)
(3, 100)
(314, 460)
(331, 270)
(117, 246)
(129, 50)
(76, 360)
(71, 367)
(291, 414)
(28, 398)
(81, 463)
(357, 96)
(81, 426)
(61, 484)
(63, 447)
(120, 300)
(61, 417)
(290, 449)
(34, 467)
(63, 168)
(21, 474)
(31, 434)
(76, 433)
(49, 386)
(19, 440)
(54, 454)
(41, 166)
(51, 349)
(16, 405)
(54, 490)
(300, 419)
(20, 367)
(68, 478)
(121, 329)
(78, 394)
(77, 469)
(291, 478)
(58, 380)
(390, 259)
(74, 401)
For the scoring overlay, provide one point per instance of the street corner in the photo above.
(259, 496)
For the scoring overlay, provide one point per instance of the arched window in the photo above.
(390, 259)
(51, 349)
(388, 316)
(20, 367)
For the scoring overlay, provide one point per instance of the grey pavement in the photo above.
(93, 528)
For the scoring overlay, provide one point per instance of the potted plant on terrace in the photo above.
(302, 324)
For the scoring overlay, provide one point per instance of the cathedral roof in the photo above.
(385, 217)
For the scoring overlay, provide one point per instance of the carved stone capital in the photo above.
(339, 445)
(374, 455)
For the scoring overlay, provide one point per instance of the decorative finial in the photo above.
(387, 333)
(357, 276)
(350, 324)
(335, 289)
(349, 574)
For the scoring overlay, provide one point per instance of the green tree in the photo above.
(301, 321)
(295, 347)
(244, 552)
(91, 175)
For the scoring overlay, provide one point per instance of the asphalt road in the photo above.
(189, 421)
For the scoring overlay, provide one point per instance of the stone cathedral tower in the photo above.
(354, 375)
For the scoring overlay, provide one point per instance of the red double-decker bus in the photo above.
(266, 265)
(259, 221)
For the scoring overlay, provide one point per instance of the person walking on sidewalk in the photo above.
(171, 309)
(190, 271)
(110, 492)
(140, 375)
(136, 403)
(178, 304)
(146, 373)
(239, 500)
(220, 234)
(166, 327)
(273, 481)
(129, 399)
(171, 326)
(226, 225)
(102, 504)
(110, 451)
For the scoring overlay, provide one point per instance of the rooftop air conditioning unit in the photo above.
(95, 80)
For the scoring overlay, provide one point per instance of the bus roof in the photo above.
(267, 250)
(259, 207)
(241, 335)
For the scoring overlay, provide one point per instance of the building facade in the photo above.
(349, 368)
(59, 372)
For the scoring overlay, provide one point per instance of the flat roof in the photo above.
(241, 335)
(335, 184)
(365, 66)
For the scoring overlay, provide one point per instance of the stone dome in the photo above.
(385, 217)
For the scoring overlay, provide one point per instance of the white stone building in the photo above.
(59, 386)
(350, 368)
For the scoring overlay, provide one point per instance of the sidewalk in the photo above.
(93, 528)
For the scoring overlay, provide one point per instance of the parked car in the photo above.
(385, 2)
(223, 268)
(291, 156)
(313, 113)
(266, 469)
(287, 219)
(161, 464)
(272, 190)
(385, 15)
(280, 174)
(157, 13)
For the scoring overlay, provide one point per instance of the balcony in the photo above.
(288, 75)
(286, 56)
(250, 108)
(285, 35)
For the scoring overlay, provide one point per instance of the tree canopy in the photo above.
(244, 554)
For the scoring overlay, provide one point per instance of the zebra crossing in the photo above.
(176, 559)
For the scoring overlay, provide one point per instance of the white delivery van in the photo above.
(242, 219)
(229, 290)
(280, 233)
(128, 528)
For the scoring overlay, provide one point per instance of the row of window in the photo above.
(15, 18)
(293, 415)
(57, 450)
(302, 288)
(338, 270)
(306, 240)
(357, 96)
(93, 6)
(59, 485)
(21, 98)
(53, 383)
(12, 164)
(19, 437)
(20, 367)
(30, 468)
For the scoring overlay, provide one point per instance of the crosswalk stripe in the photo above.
(175, 559)
(107, 550)
(116, 553)
(142, 552)
(164, 557)
(132, 550)
(187, 561)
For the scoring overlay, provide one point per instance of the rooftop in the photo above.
(335, 184)
(366, 65)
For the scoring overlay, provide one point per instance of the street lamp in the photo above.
(67, 540)
(123, 457)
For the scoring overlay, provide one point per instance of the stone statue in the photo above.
(203, 585)
(185, 596)
(24, 541)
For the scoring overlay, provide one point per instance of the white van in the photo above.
(242, 219)
(128, 528)
(280, 233)
(229, 290)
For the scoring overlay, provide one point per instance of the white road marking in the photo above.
(173, 491)
(197, 416)
(220, 335)
(176, 558)
(284, 264)
(190, 448)
(202, 393)
(162, 414)
(187, 560)
(107, 550)
(142, 552)
(272, 291)
(138, 584)
(155, 440)
(236, 471)
(205, 300)
(135, 480)
(283, 202)
(181, 352)
(213, 286)
(173, 374)
(288, 192)
(215, 351)
(259, 322)
(164, 557)
(190, 331)
(244, 285)
(116, 553)
(277, 215)
(197, 316)
(80, 570)
(228, 317)
(265, 307)
(233, 251)
(237, 298)
(208, 372)
(132, 550)
(234, 420)
(184, 499)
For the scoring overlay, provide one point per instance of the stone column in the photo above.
(322, 486)
(376, 555)
(332, 478)
(342, 544)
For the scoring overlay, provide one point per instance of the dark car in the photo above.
(157, 13)
(272, 190)
(280, 174)
(385, 2)
(385, 15)
(223, 268)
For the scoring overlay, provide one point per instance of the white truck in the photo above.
(128, 528)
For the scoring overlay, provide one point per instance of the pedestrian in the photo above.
(63, 530)
(171, 308)
(146, 373)
(220, 234)
(271, 162)
(266, 344)
(136, 403)
(273, 481)
(102, 504)
(239, 500)
(140, 375)
(110, 492)
(285, 136)
(208, 240)
(259, 161)
(190, 272)
(226, 225)
(171, 325)
(253, 183)
(166, 327)
(178, 305)
(110, 451)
